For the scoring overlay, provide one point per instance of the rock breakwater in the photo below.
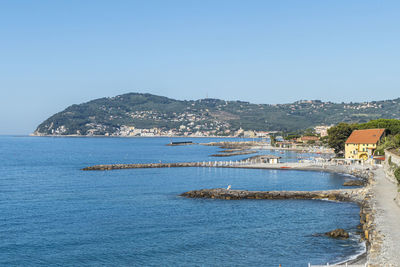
(105, 167)
(220, 193)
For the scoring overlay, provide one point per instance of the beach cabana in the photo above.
(270, 159)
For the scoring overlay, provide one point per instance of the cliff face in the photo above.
(125, 114)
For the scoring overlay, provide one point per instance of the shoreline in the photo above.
(359, 195)
(360, 258)
(370, 176)
(364, 173)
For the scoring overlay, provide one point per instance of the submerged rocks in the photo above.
(338, 233)
(354, 183)
(230, 154)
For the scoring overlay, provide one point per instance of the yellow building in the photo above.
(361, 144)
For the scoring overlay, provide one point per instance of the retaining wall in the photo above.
(389, 170)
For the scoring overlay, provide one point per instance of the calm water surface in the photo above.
(52, 213)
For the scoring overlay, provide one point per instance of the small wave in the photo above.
(348, 175)
(362, 249)
(328, 200)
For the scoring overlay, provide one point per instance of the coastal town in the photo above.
(199, 130)
(183, 131)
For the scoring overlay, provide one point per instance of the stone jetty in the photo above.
(104, 167)
(222, 164)
(220, 193)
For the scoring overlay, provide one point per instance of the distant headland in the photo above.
(136, 114)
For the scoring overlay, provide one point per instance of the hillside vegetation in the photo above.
(145, 111)
(338, 134)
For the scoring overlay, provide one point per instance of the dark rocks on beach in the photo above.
(230, 150)
(234, 154)
(338, 233)
(354, 183)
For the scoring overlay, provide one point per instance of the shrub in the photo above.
(397, 174)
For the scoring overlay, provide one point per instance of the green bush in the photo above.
(397, 174)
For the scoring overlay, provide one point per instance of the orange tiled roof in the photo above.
(369, 136)
(309, 138)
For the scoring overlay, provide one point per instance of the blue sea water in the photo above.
(52, 213)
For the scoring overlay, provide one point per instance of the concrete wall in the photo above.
(395, 158)
(389, 170)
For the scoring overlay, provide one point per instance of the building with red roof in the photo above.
(362, 144)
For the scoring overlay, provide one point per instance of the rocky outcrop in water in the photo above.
(338, 233)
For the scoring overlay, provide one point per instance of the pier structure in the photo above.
(230, 163)
(246, 163)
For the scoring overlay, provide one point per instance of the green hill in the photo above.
(144, 111)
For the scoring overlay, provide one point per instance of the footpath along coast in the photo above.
(386, 249)
(379, 215)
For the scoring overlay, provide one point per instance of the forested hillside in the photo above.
(144, 111)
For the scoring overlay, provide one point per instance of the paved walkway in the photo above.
(387, 219)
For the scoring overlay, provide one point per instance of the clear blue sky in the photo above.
(57, 53)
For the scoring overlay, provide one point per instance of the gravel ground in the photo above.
(387, 219)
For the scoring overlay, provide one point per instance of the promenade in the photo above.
(387, 219)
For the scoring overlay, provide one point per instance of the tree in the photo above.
(392, 126)
(324, 140)
(338, 135)
(390, 141)
(309, 132)
(291, 136)
(273, 140)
